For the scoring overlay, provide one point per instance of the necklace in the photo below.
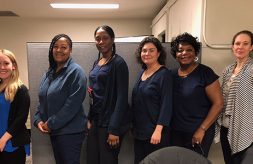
(149, 72)
(185, 72)
(105, 61)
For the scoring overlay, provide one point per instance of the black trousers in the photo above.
(67, 148)
(142, 148)
(16, 157)
(98, 150)
(243, 157)
(184, 139)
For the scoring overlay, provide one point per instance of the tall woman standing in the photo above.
(108, 90)
(14, 109)
(237, 114)
(60, 111)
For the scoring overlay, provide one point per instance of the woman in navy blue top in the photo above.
(151, 100)
(108, 90)
(197, 99)
(14, 109)
(60, 111)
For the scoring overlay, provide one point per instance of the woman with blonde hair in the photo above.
(14, 103)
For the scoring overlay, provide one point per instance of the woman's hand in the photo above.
(89, 124)
(45, 127)
(2, 144)
(41, 127)
(3, 140)
(157, 135)
(113, 140)
(198, 136)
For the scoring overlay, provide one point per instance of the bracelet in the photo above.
(203, 128)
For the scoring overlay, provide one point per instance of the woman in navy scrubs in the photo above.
(151, 100)
(197, 98)
(60, 111)
(108, 90)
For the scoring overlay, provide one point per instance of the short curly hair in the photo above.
(184, 38)
(158, 45)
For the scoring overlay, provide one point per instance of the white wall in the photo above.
(214, 22)
(16, 32)
(223, 19)
(179, 16)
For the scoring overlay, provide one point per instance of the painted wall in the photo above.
(16, 32)
(223, 19)
(214, 22)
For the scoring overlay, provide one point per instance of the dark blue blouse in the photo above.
(4, 115)
(109, 86)
(190, 102)
(152, 103)
(98, 81)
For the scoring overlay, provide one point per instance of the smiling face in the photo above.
(61, 51)
(6, 67)
(185, 54)
(149, 54)
(103, 41)
(242, 46)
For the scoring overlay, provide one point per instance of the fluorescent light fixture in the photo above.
(84, 6)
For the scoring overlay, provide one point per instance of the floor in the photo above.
(29, 160)
(215, 155)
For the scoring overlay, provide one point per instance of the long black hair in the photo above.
(110, 32)
(52, 63)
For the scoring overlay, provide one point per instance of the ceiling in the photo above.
(41, 9)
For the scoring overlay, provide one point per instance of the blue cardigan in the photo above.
(60, 100)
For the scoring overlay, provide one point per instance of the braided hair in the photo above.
(110, 32)
(52, 63)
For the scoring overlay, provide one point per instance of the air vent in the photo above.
(7, 14)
